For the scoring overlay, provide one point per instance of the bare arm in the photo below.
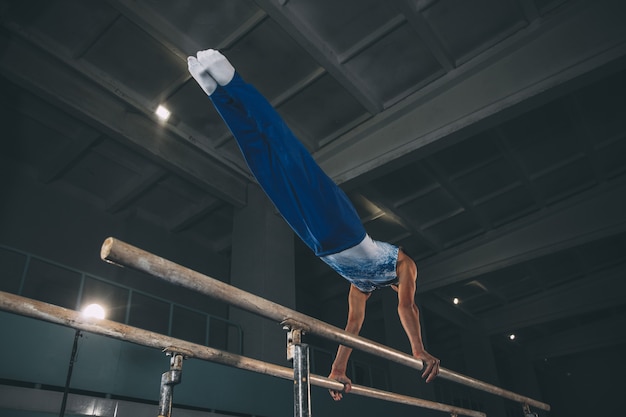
(356, 316)
(409, 315)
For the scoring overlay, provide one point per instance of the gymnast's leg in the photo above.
(313, 205)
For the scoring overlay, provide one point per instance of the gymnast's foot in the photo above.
(202, 77)
(217, 66)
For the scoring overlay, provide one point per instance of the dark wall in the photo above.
(576, 385)
(589, 384)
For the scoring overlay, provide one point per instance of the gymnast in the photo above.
(317, 210)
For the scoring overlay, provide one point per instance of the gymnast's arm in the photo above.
(409, 315)
(356, 316)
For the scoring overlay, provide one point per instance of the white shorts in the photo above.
(369, 265)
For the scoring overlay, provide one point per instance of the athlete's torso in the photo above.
(369, 265)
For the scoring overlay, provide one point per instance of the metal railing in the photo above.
(20, 288)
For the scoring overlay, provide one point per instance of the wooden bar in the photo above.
(121, 253)
(70, 318)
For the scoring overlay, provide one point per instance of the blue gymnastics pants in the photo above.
(317, 210)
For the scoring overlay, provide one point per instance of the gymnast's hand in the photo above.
(431, 365)
(347, 385)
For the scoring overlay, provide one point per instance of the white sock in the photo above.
(217, 65)
(202, 77)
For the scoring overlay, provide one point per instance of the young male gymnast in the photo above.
(314, 206)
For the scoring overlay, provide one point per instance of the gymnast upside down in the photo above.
(317, 210)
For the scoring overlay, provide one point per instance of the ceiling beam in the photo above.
(440, 175)
(594, 215)
(301, 32)
(529, 8)
(80, 137)
(367, 41)
(513, 159)
(389, 209)
(531, 67)
(133, 100)
(64, 159)
(22, 62)
(423, 29)
(193, 213)
(158, 27)
(594, 292)
(131, 191)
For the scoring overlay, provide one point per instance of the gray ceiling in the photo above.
(487, 137)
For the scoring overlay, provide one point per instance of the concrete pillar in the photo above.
(263, 264)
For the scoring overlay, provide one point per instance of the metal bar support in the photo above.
(527, 412)
(70, 368)
(168, 380)
(298, 353)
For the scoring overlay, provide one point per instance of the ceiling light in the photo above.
(162, 113)
(456, 301)
(95, 311)
(512, 336)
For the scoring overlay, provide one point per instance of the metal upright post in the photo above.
(298, 353)
(527, 412)
(168, 380)
(70, 368)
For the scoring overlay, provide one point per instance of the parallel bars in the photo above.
(121, 253)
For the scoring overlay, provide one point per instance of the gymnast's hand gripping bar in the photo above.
(121, 253)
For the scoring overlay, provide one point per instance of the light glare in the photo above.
(162, 113)
(456, 301)
(95, 311)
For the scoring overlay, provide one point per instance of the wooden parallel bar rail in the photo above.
(59, 315)
(121, 253)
